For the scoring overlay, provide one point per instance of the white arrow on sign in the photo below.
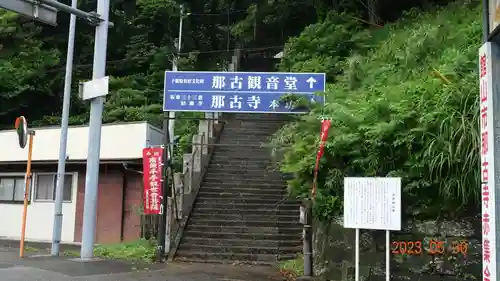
(311, 82)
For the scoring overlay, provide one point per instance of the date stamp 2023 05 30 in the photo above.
(431, 247)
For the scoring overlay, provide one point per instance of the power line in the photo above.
(232, 50)
(228, 12)
(184, 53)
(370, 11)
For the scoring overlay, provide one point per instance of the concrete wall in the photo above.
(334, 251)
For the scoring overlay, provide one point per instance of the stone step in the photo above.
(193, 234)
(233, 201)
(247, 206)
(204, 257)
(225, 194)
(235, 184)
(264, 190)
(237, 121)
(242, 148)
(252, 133)
(241, 159)
(239, 165)
(252, 123)
(229, 241)
(232, 166)
(244, 173)
(267, 116)
(258, 211)
(227, 170)
(256, 137)
(240, 128)
(244, 167)
(235, 157)
(190, 260)
(291, 229)
(264, 217)
(244, 142)
(247, 179)
(238, 249)
(247, 191)
(256, 123)
(243, 223)
(243, 145)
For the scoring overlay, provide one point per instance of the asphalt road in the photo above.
(38, 266)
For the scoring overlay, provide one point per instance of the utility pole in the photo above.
(171, 114)
(168, 136)
(63, 140)
(95, 123)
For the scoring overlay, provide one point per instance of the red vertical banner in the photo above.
(325, 126)
(152, 160)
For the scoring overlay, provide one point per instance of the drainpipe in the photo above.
(124, 195)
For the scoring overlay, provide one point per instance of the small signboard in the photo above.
(94, 88)
(32, 9)
(372, 203)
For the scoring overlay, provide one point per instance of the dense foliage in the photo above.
(142, 44)
(404, 103)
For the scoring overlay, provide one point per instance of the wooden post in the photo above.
(31, 133)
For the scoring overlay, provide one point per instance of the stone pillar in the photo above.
(179, 192)
(216, 116)
(170, 225)
(210, 125)
(197, 140)
(187, 171)
(203, 131)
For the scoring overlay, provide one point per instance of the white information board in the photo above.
(372, 203)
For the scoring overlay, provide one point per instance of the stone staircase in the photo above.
(241, 213)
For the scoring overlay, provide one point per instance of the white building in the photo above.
(120, 189)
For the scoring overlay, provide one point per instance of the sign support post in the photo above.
(63, 139)
(356, 255)
(167, 192)
(387, 255)
(22, 132)
(95, 124)
(171, 115)
(307, 237)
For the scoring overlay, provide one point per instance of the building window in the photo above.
(46, 187)
(12, 189)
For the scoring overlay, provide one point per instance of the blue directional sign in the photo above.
(252, 92)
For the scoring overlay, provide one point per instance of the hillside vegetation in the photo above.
(403, 103)
(402, 97)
